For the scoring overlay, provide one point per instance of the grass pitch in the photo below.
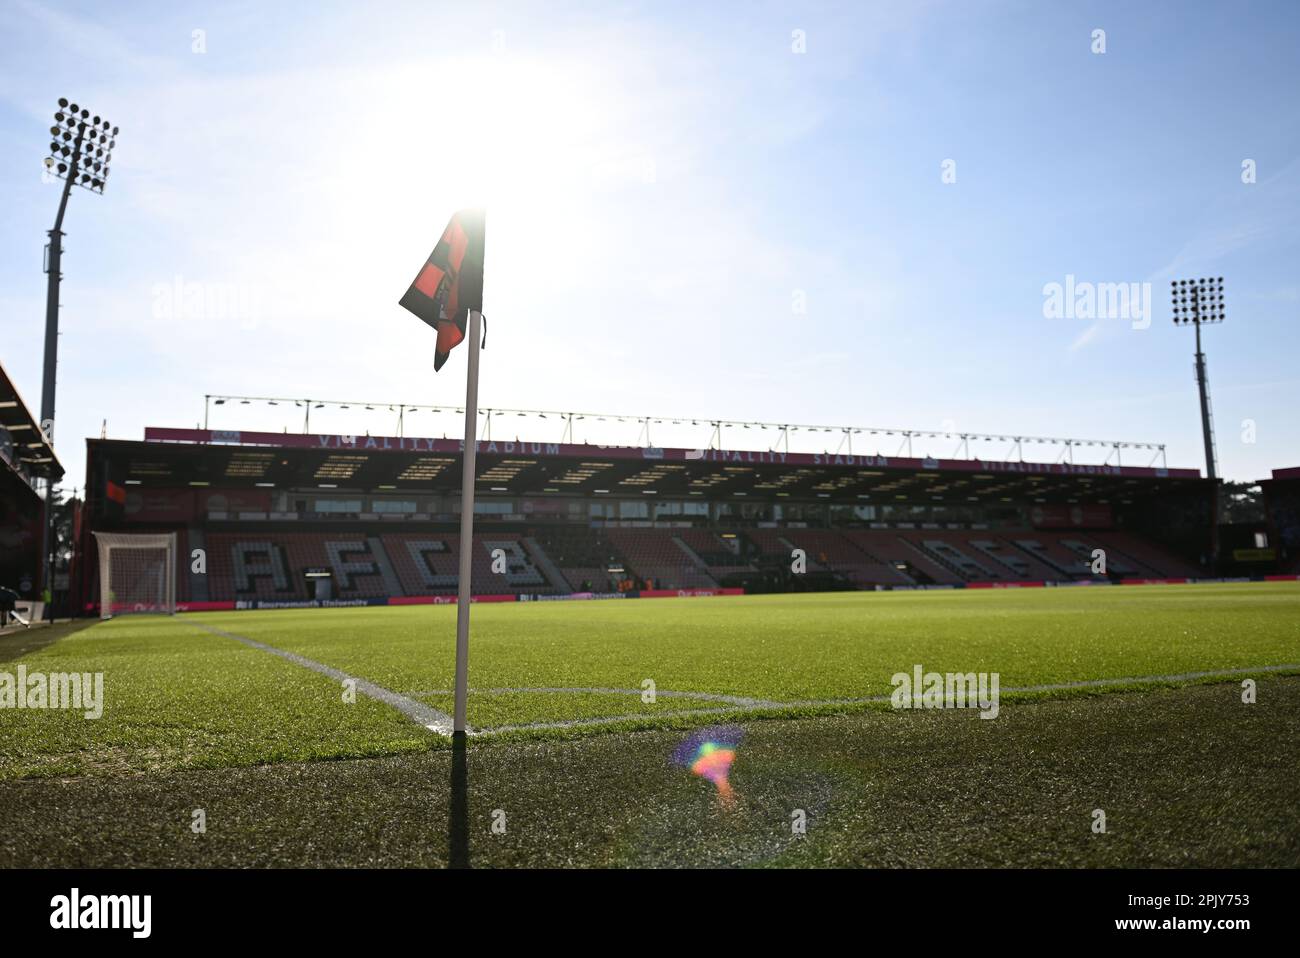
(190, 714)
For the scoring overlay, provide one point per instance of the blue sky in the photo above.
(664, 183)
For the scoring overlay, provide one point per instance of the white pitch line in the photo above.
(1065, 686)
(737, 700)
(734, 705)
(760, 705)
(417, 712)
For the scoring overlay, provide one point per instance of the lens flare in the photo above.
(709, 754)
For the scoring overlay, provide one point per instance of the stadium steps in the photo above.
(547, 567)
(1116, 563)
(1147, 554)
(1016, 563)
(887, 566)
(651, 555)
(1136, 562)
(695, 556)
(1034, 567)
(1043, 556)
(964, 564)
(1138, 565)
(387, 573)
(936, 563)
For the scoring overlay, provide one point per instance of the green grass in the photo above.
(1187, 777)
(290, 774)
(178, 697)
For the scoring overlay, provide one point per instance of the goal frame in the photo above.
(109, 542)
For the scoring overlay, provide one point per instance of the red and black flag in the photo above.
(450, 283)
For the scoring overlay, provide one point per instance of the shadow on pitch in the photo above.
(458, 821)
(16, 643)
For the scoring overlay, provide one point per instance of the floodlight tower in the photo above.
(1198, 302)
(80, 150)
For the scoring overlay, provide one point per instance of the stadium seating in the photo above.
(655, 556)
(428, 564)
(718, 556)
(557, 558)
(262, 566)
(583, 555)
(1149, 558)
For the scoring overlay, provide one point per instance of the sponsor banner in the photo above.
(684, 593)
(443, 599)
(241, 604)
(575, 450)
(1157, 581)
(1005, 585)
(573, 596)
(1282, 578)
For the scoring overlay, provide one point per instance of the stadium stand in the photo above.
(273, 534)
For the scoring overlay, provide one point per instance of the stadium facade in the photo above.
(26, 460)
(289, 520)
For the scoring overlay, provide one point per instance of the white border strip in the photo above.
(417, 712)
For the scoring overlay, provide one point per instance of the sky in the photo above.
(848, 214)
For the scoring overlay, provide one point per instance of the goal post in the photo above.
(137, 573)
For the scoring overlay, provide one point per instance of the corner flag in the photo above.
(448, 295)
(450, 284)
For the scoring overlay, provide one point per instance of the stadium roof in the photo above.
(23, 446)
(177, 457)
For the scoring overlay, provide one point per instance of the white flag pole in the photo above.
(466, 527)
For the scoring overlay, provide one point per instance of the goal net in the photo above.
(137, 573)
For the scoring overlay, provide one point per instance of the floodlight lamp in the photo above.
(63, 101)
